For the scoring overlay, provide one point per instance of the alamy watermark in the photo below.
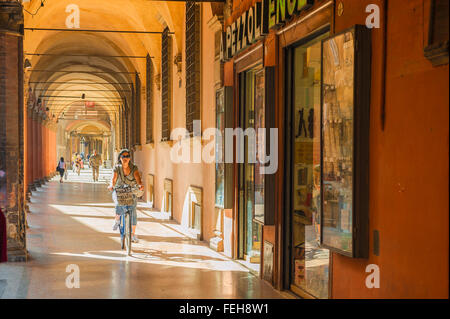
(373, 19)
(73, 279)
(373, 279)
(212, 152)
(73, 19)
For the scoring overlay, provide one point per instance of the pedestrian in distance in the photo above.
(74, 161)
(78, 164)
(95, 161)
(61, 168)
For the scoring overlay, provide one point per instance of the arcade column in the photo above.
(11, 128)
(29, 146)
(35, 124)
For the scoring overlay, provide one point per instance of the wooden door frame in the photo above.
(302, 33)
(244, 62)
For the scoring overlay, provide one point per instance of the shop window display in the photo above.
(345, 141)
(338, 137)
(220, 148)
(254, 118)
(310, 262)
(251, 181)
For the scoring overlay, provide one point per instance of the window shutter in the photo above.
(166, 81)
(149, 99)
(127, 120)
(192, 64)
(122, 127)
(137, 112)
(130, 118)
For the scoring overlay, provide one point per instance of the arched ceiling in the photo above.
(66, 77)
(80, 125)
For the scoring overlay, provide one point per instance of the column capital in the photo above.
(11, 18)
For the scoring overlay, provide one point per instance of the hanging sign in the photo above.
(256, 22)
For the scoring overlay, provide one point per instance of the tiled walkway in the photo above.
(71, 224)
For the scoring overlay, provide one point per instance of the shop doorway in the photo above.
(250, 181)
(308, 263)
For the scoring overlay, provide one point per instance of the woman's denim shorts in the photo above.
(120, 210)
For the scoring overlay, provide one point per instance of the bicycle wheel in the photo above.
(128, 232)
(122, 232)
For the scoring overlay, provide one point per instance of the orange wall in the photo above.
(408, 164)
(408, 161)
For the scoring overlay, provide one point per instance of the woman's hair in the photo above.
(125, 150)
(61, 159)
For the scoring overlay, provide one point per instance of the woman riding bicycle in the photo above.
(125, 173)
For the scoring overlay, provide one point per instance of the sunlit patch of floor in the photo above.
(71, 226)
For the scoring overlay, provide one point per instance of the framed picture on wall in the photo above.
(345, 104)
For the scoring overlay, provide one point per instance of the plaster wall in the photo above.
(155, 158)
(408, 163)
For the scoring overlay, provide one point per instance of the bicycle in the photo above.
(125, 197)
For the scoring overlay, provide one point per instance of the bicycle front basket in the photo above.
(125, 196)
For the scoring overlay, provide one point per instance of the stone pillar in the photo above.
(30, 154)
(41, 158)
(11, 127)
(45, 147)
(37, 160)
(35, 152)
(52, 149)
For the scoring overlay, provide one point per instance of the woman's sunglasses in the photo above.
(125, 156)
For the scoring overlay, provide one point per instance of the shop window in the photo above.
(345, 142)
(166, 84)
(309, 262)
(220, 148)
(250, 180)
(192, 64)
(149, 100)
(224, 171)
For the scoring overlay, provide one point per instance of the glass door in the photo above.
(251, 182)
(309, 262)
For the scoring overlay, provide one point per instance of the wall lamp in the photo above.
(27, 64)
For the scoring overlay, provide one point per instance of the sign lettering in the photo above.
(256, 23)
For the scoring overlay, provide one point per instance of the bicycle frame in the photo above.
(125, 231)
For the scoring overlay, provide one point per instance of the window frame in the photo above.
(166, 85)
